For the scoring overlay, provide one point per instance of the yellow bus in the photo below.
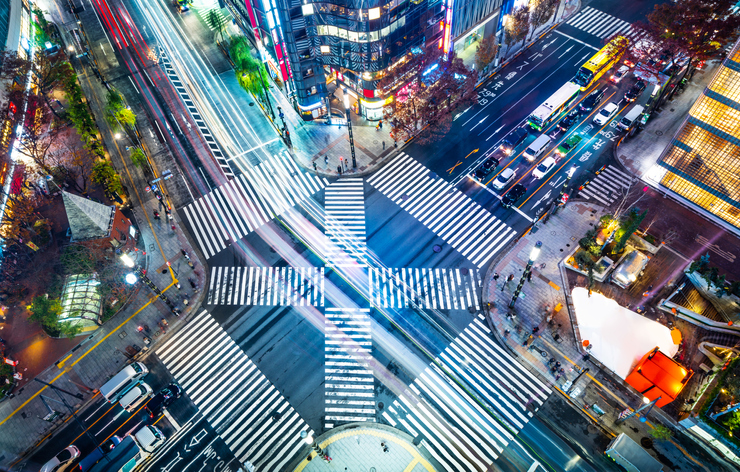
(601, 62)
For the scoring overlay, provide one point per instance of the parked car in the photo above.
(163, 399)
(514, 139)
(62, 461)
(634, 91)
(570, 119)
(513, 195)
(545, 166)
(620, 74)
(481, 173)
(590, 102)
(606, 114)
(503, 180)
(569, 144)
(629, 269)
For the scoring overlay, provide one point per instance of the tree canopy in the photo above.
(517, 25)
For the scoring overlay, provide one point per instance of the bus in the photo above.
(601, 62)
(553, 106)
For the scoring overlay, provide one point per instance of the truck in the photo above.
(631, 456)
(131, 451)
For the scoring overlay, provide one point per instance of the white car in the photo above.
(62, 461)
(619, 74)
(545, 166)
(134, 397)
(606, 114)
(504, 179)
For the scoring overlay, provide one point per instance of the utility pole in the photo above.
(532, 257)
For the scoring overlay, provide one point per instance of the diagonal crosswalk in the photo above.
(602, 25)
(345, 223)
(609, 184)
(445, 210)
(246, 410)
(242, 205)
(454, 428)
(349, 385)
(204, 13)
(275, 286)
(445, 289)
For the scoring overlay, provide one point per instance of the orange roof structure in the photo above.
(657, 375)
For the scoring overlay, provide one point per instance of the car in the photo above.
(569, 144)
(513, 195)
(181, 5)
(634, 91)
(486, 168)
(590, 102)
(96, 454)
(504, 179)
(566, 123)
(513, 139)
(136, 396)
(62, 461)
(545, 166)
(606, 114)
(619, 74)
(163, 399)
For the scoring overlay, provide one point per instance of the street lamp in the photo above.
(131, 278)
(643, 419)
(349, 128)
(533, 255)
(308, 439)
(138, 274)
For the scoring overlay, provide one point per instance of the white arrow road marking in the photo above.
(547, 195)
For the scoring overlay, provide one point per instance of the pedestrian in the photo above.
(315, 167)
(339, 170)
(495, 276)
(173, 227)
(529, 277)
(510, 278)
(326, 158)
(535, 330)
(395, 144)
(383, 144)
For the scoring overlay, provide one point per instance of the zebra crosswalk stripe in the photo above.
(442, 208)
(283, 286)
(349, 385)
(345, 223)
(463, 434)
(610, 184)
(602, 25)
(446, 289)
(245, 203)
(246, 410)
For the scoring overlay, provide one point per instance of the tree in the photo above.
(626, 228)
(693, 29)
(517, 26)
(19, 217)
(138, 158)
(104, 174)
(540, 11)
(45, 311)
(76, 164)
(661, 433)
(428, 89)
(485, 52)
(37, 138)
(585, 261)
(216, 21)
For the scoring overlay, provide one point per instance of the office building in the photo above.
(702, 163)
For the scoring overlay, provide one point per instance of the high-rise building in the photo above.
(702, 162)
(312, 46)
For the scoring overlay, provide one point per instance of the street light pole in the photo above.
(308, 439)
(532, 257)
(647, 404)
(349, 129)
(286, 133)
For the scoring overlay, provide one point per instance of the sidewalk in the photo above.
(364, 446)
(597, 395)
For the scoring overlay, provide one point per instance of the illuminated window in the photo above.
(374, 13)
(307, 9)
(325, 49)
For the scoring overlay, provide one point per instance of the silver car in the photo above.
(506, 177)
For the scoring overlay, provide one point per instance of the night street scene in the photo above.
(369, 235)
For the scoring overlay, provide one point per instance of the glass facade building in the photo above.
(308, 44)
(702, 163)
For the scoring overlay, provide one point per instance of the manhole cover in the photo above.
(658, 133)
(380, 405)
(553, 233)
(375, 141)
(647, 443)
(437, 248)
(251, 104)
(464, 271)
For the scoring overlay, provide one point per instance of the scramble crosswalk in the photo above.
(296, 286)
(602, 25)
(345, 223)
(246, 410)
(222, 18)
(456, 430)
(242, 205)
(349, 386)
(609, 184)
(445, 210)
(450, 289)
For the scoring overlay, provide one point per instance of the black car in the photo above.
(634, 91)
(513, 195)
(590, 102)
(567, 122)
(488, 165)
(513, 139)
(163, 399)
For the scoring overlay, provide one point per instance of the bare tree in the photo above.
(540, 11)
(517, 26)
(485, 52)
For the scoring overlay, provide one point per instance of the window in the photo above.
(325, 49)
(312, 91)
(373, 13)
(307, 9)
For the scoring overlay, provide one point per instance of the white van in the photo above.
(134, 397)
(149, 438)
(629, 269)
(537, 147)
(123, 381)
(630, 117)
